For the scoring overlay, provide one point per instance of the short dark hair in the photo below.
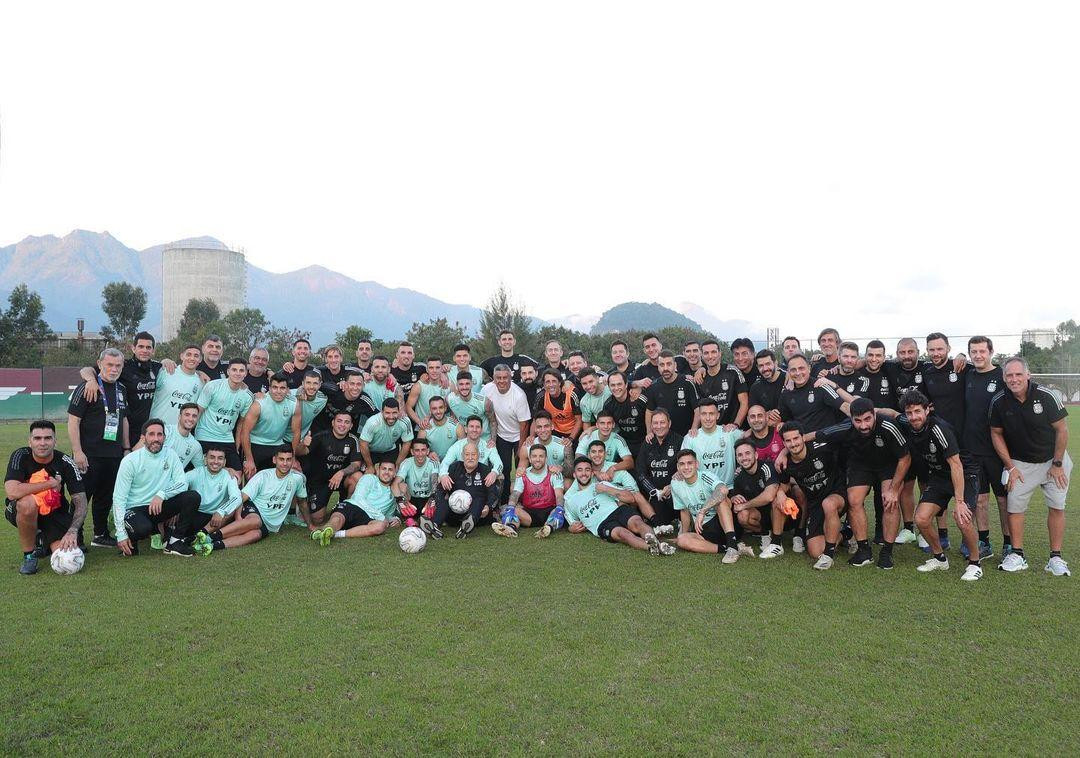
(597, 443)
(618, 342)
(43, 423)
(190, 346)
(766, 353)
(152, 422)
(431, 358)
(363, 341)
(298, 341)
(742, 342)
(792, 426)
(686, 453)
(798, 356)
(587, 371)
(421, 441)
(213, 338)
(914, 397)
(283, 450)
(789, 338)
(475, 418)
(649, 336)
(462, 346)
(605, 414)
(582, 459)
(390, 402)
(278, 378)
(237, 362)
(875, 345)
(538, 446)
(379, 358)
(705, 401)
(745, 441)
(979, 339)
(404, 343)
(711, 341)
(463, 375)
(506, 331)
(688, 343)
(311, 372)
(143, 336)
(542, 414)
(185, 406)
(861, 405)
(849, 346)
(666, 354)
(619, 374)
(936, 336)
(577, 353)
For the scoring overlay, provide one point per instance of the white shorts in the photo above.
(1036, 476)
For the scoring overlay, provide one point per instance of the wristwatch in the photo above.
(1055, 463)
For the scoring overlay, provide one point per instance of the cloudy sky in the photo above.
(884, 168)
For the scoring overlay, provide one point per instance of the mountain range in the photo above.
(70, 272)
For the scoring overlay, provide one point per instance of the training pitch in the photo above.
(570, 645)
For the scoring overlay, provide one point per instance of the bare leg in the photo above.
(372, 529)
(925, 520)
(695, 543)
(26, 519)
(627, 537)
(1016, 529)
(857, 511)
(1055, 524)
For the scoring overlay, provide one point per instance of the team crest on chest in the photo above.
(818, 464)
(810, 397)
(877, 441)
(933, 448)
(633, 412)
(681, 394)
(345, 450)
(952, 376)
(671, 451)
(884, 384)
(917, 379)
(1037, 406)
(724, 385)
(992, 386)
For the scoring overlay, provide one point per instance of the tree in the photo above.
(22, 329)
(502, 313)
(201, 317)
(244, 329)
(125, 306)
(436, 337)
(348, 339)
(279, 343)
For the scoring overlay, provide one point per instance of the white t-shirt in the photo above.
(511, 408)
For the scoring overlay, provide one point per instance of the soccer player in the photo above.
(512, 416)
(814, 468)
(507, 343)
(414, 485)
(265, 424)
(766, 390)
(212, 366)
(559, 449)
(310, 402)
(873, 379)
(766, 439)
(628, 411)
(616, 451)
(845, 373)
(950, 473)
(180, 437)
(385, 437)
(906, 373)
(553, 355)
(419, 400)
(656, 465)
(98, 432)
(620, 359)
(381, 385)
(788, 347)
(726, 385)
(464, 403)
(605, 471)
(405, 372)
(224, 404)
(333, 465)
(561, 404)
(815, 404)
(258, 372)
(34, 496)
(829, 344)
(877, 456)
(175, 389)
(368, 512)
(350, 399)
(528, 384)
(648, 372)
(604, 510)
(463, 362)
(333, 371)
(691, 351)
(753, 498)
(219, 496)
(364, 358)
(713, 447)
(1028, 428)
(475, 478)
(474, 433)
(742, 355)
(980, 386)
(296, 369)
(151, 489)
(591, 401)
(673, 392)
(699, 498)
(138, 378)
(267, 499)
(442, 431)
(537, 493)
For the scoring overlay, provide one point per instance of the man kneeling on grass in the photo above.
(368, 512)
(267, 499)
(701, 499)
(536, 498)
(604, 510)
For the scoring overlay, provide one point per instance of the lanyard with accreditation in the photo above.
(112, 418)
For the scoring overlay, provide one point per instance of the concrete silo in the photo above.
(200, 272)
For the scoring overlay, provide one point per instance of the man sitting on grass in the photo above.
(704, 511)
(414, 485)
(219, 497)
(368, 512)
(267, 499)
(604, 510)
(536, 498)
(473, 477)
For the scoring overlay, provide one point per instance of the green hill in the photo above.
(641, 316)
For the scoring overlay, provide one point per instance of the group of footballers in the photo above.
(684, 451)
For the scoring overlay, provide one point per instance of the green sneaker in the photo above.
(202, 548)
(293, 520)
(156, 542)
(323, 536)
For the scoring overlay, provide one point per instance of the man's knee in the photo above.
(26, 507)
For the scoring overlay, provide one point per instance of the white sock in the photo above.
(340, 534)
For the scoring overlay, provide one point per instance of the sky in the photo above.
(883, 168)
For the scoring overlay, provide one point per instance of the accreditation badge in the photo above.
(112, 426)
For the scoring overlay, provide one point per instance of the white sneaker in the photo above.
(664, 530)
(824, 563)
(666, 548)
(652, 545)
(746, 550)
(731, 555)
(922, 543)
(933, 565)
(1057, 566)
(904, 536)
(798, 545)
(775, 550)
(972, 573)
(1015, 562)
(766, 540)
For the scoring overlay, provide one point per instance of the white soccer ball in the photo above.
(460, 500)
(412, 539)
(66, 562)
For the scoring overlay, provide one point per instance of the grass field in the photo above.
(491, 646)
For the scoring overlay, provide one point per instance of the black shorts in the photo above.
(863, 476)
(249, 508)
(319, 494)
(939, 491)
(52, 527)
(815, 514)
(386, 456)
(990, 471)
(354, 515)
(232, 457)
(619, 517)
(263, 455)
(713, 532)
(539, 516)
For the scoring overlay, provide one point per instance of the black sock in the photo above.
(972, 563)
(1055, 553)
(219, 544)
(1006, 539)
(941, 557)
(984, 535)
(909, 525)
(777, 537)
(864, 545)
(1019, 551)
(943, 534)
(886, 549)
(732, 540)
(800, 531)
(830, 549)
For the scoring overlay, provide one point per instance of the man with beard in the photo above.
(765, 392)
(466, 400)
(295, 369)
(629, 412)
(442, 431)
(560, 403)
(648, 371)
(382, 385)
(981, 383)
(656, 465)
(528, 384)
(512, 417)
(559, 449)
(752, 497)
(405, 372)
(265, 425)
(764, 437)
(904, 374)
(489, 455)
(368, 512)
(814, 404)
(537, 493)
(364, 354)
(138, 377)
(675, 393)
(594, 395)
(333, 465)
(507, 343)
(349, 399)
(725, 385)
(385, 437)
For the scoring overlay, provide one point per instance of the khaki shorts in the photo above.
(1036, 476)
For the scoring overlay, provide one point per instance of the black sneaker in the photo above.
(861, 558)
(466, 527)
(103, 540)
(884, 560)
(178, 547)
(29, 565)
